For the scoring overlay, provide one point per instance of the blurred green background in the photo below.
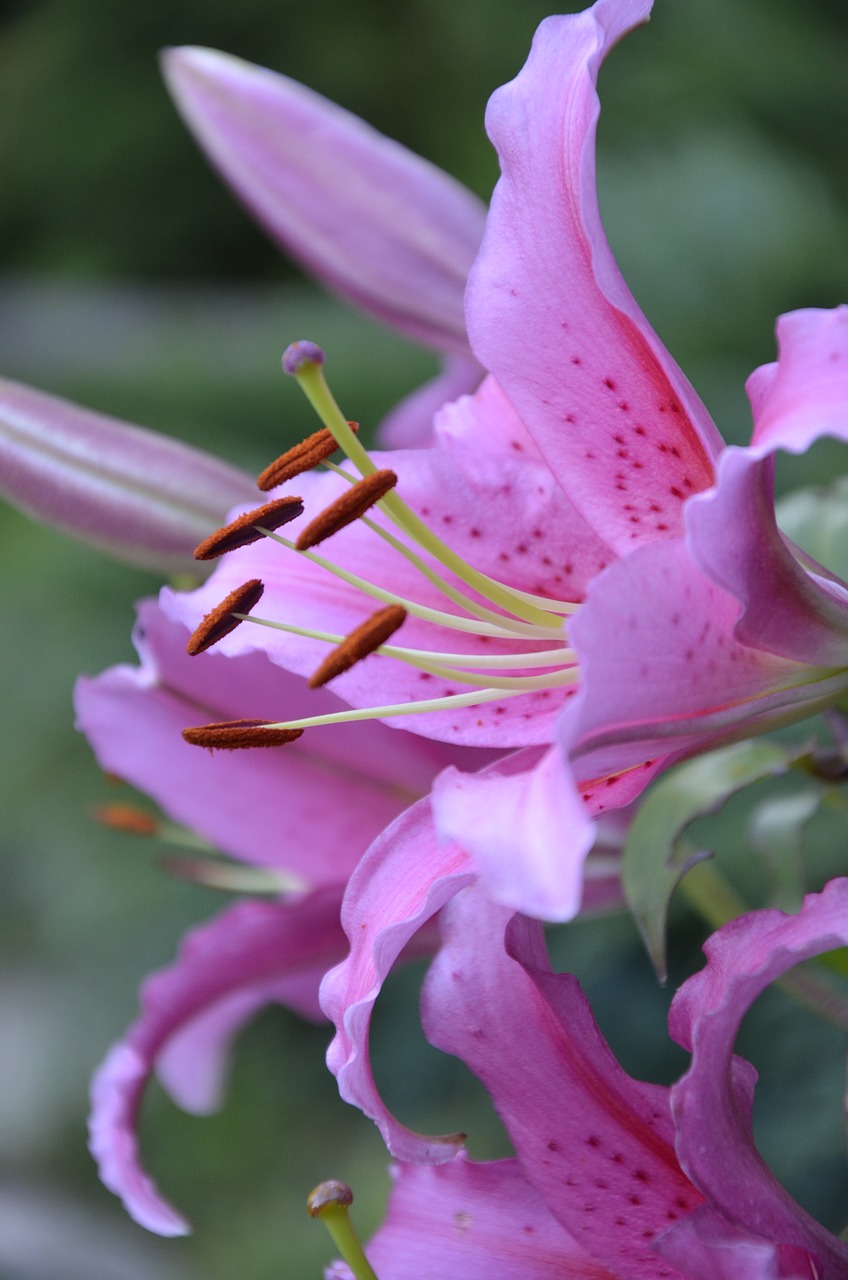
(131, 281)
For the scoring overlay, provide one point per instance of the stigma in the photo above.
(508, 642)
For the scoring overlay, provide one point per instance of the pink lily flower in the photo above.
(612, 1178)
(308, 816)
(583, 505)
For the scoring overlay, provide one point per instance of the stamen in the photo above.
(448, 703)
(126, 817)
(361, 642)
(249, 527)
(506, 629)
(554, 658)
(312, 451)
(330, 1202)
(232, 735)
(346, 508)
(232, 877)
(225, 617)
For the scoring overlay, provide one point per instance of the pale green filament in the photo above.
(312, 380)
(560, 607)
(508, 629)
(400, 709)
(470, 661)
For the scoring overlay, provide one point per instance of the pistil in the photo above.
(330, 1202)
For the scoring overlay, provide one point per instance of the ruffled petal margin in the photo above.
(253, 954)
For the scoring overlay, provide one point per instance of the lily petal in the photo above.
(479, 1221)
(382, 227)
(743, 958)
(309, 811)
(528, 826)
(550, 316)
(402, 882)
(253, 954)
(804, 395)
(602, 1161)
(664, 673)
(410, 424)
(143, 498)
(705, 1247)
(734, 537)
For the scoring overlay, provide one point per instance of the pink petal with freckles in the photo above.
(734, 537)
(410, 424)
(376, 223)
(252, 954)
(311, 808)
(143, 498)
(402, 882)
(487, 423)
(475, 1221)
(663, 673)
(595, 1144)
(504, 514)
(714, 1143)
(805, 394)
(550, 316)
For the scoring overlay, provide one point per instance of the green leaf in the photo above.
(776, 831)
(655, 859)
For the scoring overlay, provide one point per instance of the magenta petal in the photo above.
(526, 828)
(550, 316)
(141, 497)
(714, 1143)
(382, 227)
(595, 1144)
(474, 1222)
(311, 808)
(400, 884)
(805, 394)
(735, 539)
(252, 954)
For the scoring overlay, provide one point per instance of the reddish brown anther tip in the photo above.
(302, 457)
(361, 642)
(248, 527)
(352, 504)
(233, 735)
(328, 1195)
(126, 817)
(220, 621)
